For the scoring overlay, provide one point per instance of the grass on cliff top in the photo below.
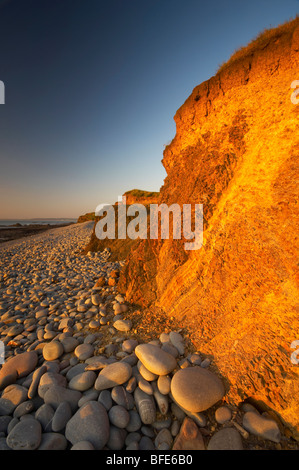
(138, 193)
(261, 41)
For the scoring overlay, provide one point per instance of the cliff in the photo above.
(86, 217)
(236, 151)
(138, 196)
(120, 249)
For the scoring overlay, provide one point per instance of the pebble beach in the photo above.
(77, 376)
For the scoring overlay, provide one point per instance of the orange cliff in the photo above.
(236, 151)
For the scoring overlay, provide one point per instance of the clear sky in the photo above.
(91, 88)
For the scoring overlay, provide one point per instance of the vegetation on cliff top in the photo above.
(260, 42)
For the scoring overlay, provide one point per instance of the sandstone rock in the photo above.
(100, 282)
(189, 437)
(222, 155)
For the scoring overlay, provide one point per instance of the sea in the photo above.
(4, 223)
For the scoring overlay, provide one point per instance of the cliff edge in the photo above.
(236, 151)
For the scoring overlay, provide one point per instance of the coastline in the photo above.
(11, 233)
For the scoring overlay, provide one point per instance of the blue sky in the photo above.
(92, 86)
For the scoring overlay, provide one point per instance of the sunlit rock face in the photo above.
(236, 151)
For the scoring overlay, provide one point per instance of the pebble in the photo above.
(164, 437)
(25, 435)
(52, 351)
(105, 399)
(53, 441)
(163, 383)
(178, 342)
(261, 426)
(57, 394)
(196, 389)
(18, 366)
(69, 343)
(84, 351)
(134, 422)
(23, 408)
(120, 396)
(117, 438)
(123, 325)
(119, 416)
(11, 397)
(145, 405)
(83, 381)
(129, 345)
(155, 359)
(226, 439)
(223, 414)
(90, 423)
(61, 416)
(112, 375)
(49, 379)
(44, 414)
(83, 445)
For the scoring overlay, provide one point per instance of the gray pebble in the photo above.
(26, 435)
(116, 438)
(61, 416)
(134, 422)
(105, 399)
(119, 416)
(146, 443)
(53, 441)
(90, 423)
(44, 414)
(83, 445)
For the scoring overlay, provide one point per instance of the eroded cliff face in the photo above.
(236, 151)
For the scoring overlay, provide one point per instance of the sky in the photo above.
(91, 88)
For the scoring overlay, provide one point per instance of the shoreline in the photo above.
(11, 233)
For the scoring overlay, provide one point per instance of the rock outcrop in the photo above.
(138, 196)
(236, 151)
(86, 217)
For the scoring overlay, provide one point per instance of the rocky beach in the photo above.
(85, 369)
(13, 232)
